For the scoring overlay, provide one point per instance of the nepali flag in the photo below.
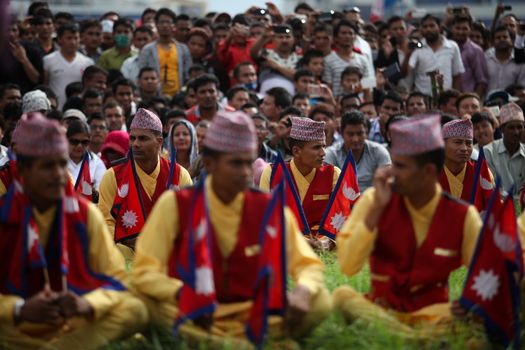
(129, 206)
(280, 172)
(34, 252)
(83, 183)
(173, 167)
(482, 186)
(197, 295)
(270, 286)
(492, 288)
(342, 199)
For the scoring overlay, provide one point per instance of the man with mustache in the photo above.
(130, 188)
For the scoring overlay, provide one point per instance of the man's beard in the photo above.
(432, 38)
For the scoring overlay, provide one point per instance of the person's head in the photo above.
(206, 91)
(182, 27)
(483, 128)
(502, 39)
(468, 104)
(91, 34)
(349, 102)
(274, 102)
(430, 28)
(479, 34)
(107, 34)
(245, 74)
(35, 101)
(256, 30)
(123, 93)
(283, 39)
(200, 130)
(417, 103)
(123, 33)
(73, 89)
(94, 77)
(62, 18)
(148, 80)
(261, 126)
(511, 22)
(325, 115)
(511, 124)
(307, 142)
(391, 105)
(145, 135)
(42, 155)
(9, 93)
(354, 129)
(142, 36)
(303, 78)
(369, 110)
(114, 114)
(461, 25)
(230, 148)
(43, 24)
(313, 60)
(250, 108)
(68, 38)
(344, 34)
(417, 154)
(92, 102)
(220, 32)
(237, 96)
(397, 28)
(458, 135)
(447, 101)
(198, 43)
(322, 38)
(35, 6)
(148, 16)
(301, 101)
(351, 79)
(78, 135)
(165, 23)
(517, 90)
(182, 137)
(99, 128)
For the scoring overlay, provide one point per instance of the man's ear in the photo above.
(209, 163)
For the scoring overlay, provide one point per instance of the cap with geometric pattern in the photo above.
(146, 119)
(416, 135)
(37, 136)
(306, 129)
(459, 128)
(231, 132)
(35, 101)
(510, 112)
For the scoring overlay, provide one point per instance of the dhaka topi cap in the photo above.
(459, 128)
(306, 129)
(231, 132)
(146, 119)
(416, 135)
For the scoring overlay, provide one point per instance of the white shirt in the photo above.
(4, 158)
(96, 169)
(368, 82)
(62, 72)
(503, 74)
(334, 65)
(447, 59)
(130, 68)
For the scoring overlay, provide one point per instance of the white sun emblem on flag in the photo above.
(486, 284)
(129, 219)
(338, 221)
(32, 237)
(86, 188)
(204, 281)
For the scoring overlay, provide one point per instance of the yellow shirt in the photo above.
(303, 182)
(155, 244)
(521, 231)
(169, 69)
(455, 182)
(103, 257)
(355, 242)
(108, 189)
(3, 190)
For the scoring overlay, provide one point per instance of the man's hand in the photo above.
(298, 306)
(41, 308)
(72, 305)
(383, 182)
(18, 51)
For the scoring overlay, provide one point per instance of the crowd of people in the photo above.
(113, 130)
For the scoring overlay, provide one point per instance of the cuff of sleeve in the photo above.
(7, 309)
(519, 42)
(313, 286)
(102, 301)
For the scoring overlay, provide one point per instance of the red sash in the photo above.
(132, 204)
(407, 277)
(66, 252)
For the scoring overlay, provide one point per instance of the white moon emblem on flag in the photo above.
(271, 231)
(204, 281)
(486, 284)
(338, 221)
(201, 229)
(129, 219)
(349, 192)
(86, 188)
(503, 241)
(123, 190)
(485, 184)
(32, 237)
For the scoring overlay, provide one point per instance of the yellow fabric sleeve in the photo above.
(7, 308)
(264, 184)
(471, 229)
(3, 190)
(184, 178)
(107, 192)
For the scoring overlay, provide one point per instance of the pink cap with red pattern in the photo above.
(231, 132)
(459, 128)
(510, 112)
(146, 119)
(306, 129)
(37, 136)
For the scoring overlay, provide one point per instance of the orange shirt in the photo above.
(169, 69)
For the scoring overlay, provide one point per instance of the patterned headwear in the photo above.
(74, 114)
(37, 136)
(460, 128)
(35, 101)
(231, 132)
(306, 129)
(509, 113)
(146, 119)
(416, 135)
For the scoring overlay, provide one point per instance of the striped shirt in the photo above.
(334, 65)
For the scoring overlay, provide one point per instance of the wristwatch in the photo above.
(18, 308)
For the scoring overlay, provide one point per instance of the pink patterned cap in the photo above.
(460, 128)
(510, 112)
(231, 132)
(146, 119)
(37, 136)
(416, 135)
(306, 129)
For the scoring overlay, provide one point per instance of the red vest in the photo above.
(468, 181)
(321, 185)
(234, 276)
(407, 277)
(162, 180)
(80, 278)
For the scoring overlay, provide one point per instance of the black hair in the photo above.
(464, 96)
(308, 56)
(67, 27)
(345, 23)
(123, 22)
(425, 98)
(260, 117)
(143, 29)
(446, 96)
(182, 17)
(352, 70)
(435, 157)
(513, 88)
(393, 20)
(291, 110)
(393, 96)
(303, 6)
(96, 116)
(462, 18)
(480, 117)
(302, 73)
(237, 68)
(122, 82)
(232, 91)
(73, 102)
(320, 109)
(323, 28)
(353, 118)
(196, 67)
(431, 17)
(40, 15)
(295, 143)
(280, 96)
(91, 93)
(91, 71)
(147, 69)
(73, 88)
(173, 113)
(165, 12)
(300, 96)
(146, 11)
(502, 28)
(65, 15)
(89, 23)
(8, 86)
(34, 7)
(77, 126)
(203, 80)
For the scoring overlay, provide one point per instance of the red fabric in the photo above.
(83, 183)
(232, 55)
(416, 276)
(117, 141)
(234, 281)
(132, 200)
(65, 252)
(492, 288)
(468, 181)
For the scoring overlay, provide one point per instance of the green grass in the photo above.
(333, 333)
